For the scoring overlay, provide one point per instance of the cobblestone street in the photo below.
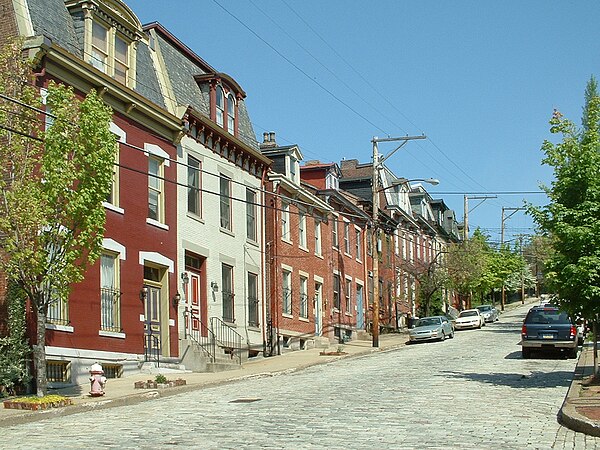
(473, 391)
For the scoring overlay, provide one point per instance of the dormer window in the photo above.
(109, 33)
(293, 169)
(230, 113)
(225, 109)
(225, 95)
(220, 106)
(110, 52)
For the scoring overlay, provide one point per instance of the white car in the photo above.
(469, 318)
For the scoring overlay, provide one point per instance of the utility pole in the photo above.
(514, 210)
(466, 211)
(377, 165)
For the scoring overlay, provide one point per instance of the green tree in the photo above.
(432, 277)
(465, 263)
(53, 182)
(14, 349)
(571, 217)
(537, 252)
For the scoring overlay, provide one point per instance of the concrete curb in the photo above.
(568, 415)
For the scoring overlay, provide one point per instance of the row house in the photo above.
(298, 254)
(220, 237)
(125, 309)
(409, 240)
(348, 226)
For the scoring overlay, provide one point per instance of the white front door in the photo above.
(318, 309)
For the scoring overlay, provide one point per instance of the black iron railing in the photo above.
(203, 336)
(227, 338)
(152, 349)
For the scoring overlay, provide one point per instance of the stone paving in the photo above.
(470, 392)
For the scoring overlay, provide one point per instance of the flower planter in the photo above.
(151, 384)
(36, 404)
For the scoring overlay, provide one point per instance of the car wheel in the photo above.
(526, 353)
(452, 335)
(443, 338)
(573, 353)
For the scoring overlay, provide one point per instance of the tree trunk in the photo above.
(39, 354)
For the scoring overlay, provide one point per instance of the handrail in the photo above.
(203, 337)
(227, 338)
(152, 352)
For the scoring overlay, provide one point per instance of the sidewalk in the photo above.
(121, 391)
(581, 409)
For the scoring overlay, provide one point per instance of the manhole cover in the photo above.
(245, 400)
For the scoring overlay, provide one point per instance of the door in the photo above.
(360, 310)
(152, 319)
(194, 305)
(318, 309)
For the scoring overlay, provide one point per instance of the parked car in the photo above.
(430, 328)
(548, 328)
(469, 318)
(489, 313)
(452, 319)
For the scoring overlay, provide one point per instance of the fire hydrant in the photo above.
(97, 380)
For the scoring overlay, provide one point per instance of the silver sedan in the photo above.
(430, 328)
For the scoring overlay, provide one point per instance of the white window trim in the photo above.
(156, 258)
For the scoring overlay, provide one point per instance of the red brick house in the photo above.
(125, 311)
(298, 254)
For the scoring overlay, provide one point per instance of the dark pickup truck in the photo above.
(548, 328)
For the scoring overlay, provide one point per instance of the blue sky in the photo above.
(479, 79)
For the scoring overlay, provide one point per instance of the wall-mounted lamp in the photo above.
(214, 286)
(144, 293)
(185, 278)
(176, 299)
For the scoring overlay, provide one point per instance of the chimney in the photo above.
(268, 140)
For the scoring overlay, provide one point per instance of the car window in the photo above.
(467, 314)
(484, 308)
(427, 322)
(547, 316)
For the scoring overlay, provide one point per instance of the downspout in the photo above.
(262, 257)
(274, 264)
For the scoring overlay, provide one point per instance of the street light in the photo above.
(401, 181)
(377, 164)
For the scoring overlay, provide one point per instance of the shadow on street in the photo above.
(517, 380)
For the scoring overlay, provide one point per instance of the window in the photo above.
(230, 114)
(304, 297)
(285, 221)
(334, 232)
(348, 290)
(155, 189)
(317, 237)
(110, 52)
(253, 300)
(58, 310)
(287, 292)
(358, 244)
(58, 371)
(113, 195)
(302, 229)
(110, 294)
(336, 291)
(121, 60)
(194, 194)
(99, 56)
(225, 203)
(251, 215)
(227, 290)
(112, 370)
(220, 104)
(347, 238)
(293, 169)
